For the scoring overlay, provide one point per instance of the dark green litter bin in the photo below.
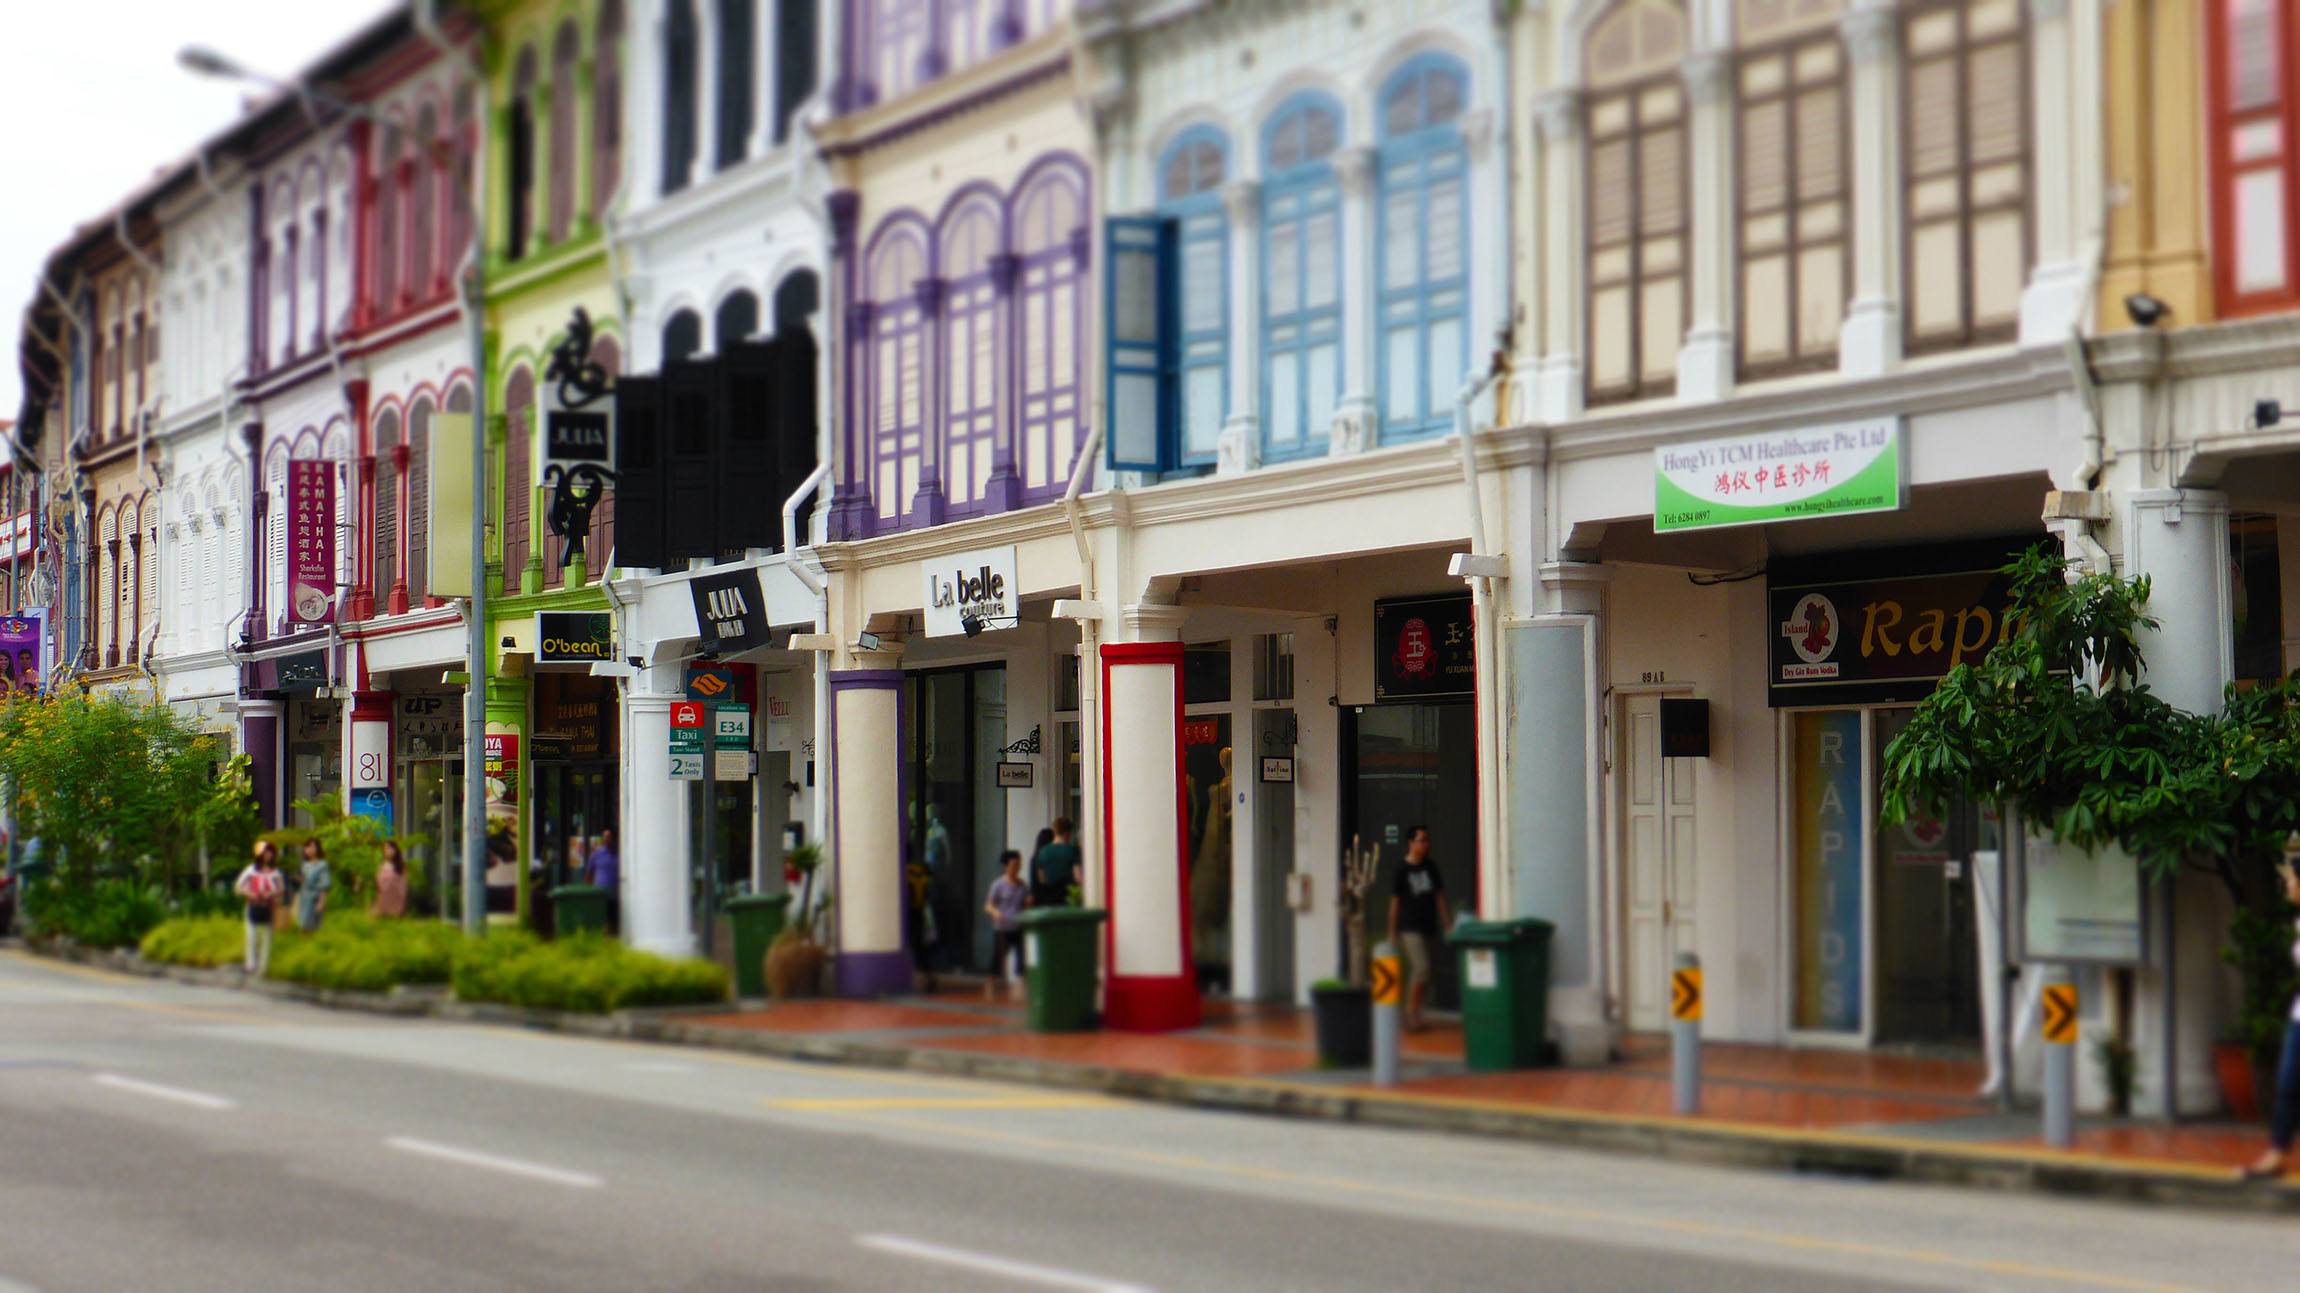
(757, 918)
(578, 907)
(1504, 992)
(1058, 942)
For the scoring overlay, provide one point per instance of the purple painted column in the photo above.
(930, 506)
(850, 329)
(867, 834)
(260, 740)
(1003, 492)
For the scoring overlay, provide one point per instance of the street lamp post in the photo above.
(207, 62)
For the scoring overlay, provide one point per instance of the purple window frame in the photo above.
(968, 451)
(1045, 270)
(895, 336)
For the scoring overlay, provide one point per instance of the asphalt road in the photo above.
(159, 1137)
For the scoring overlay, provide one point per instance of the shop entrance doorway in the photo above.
(1660, 863)
(956, 813)
(430, 796)
(574, 805)
(1416, 764)
(1928, 970)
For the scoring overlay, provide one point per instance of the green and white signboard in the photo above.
(1839, 470)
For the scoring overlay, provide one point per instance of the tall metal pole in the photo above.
(475, 686)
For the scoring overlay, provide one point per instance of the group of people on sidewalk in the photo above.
(1052, 880)
(263, 889)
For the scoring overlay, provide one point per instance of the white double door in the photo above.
(1659, 864)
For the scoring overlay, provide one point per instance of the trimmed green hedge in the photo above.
(108, 913)
(204, 941)
(588, 972)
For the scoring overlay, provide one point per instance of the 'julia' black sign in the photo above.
(1424, 647)
(578, 435)
(730, 610)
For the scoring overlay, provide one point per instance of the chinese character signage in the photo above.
(1779, 476)
(311, 540)
(1424, 647)
(1853, 641)
(23, 649)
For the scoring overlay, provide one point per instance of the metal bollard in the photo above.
(1388, 989)
(1685, 1034)
(2060, 1063)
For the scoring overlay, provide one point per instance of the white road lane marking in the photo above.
(513, 1166)
(659, 1066)
(989, 1264)
(197, 1099)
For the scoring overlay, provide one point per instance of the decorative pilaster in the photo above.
(1240, 446)
(867, 832)
(1705, 361)
(1358, 417)
(1558, 384)
(931, 504)
(1869, 343)
(1004, 491)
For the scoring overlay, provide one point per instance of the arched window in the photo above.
(518, 412)
(1639, 226)
(342, 261)
(566, 51)
(148, 573)
(416, 573)
(682, 336)
(284, 278)
(971, 243)
(129, 549)
(519, 166)
(1050, 239)
(423, 207)
(384, 534)
(1190, 179)
(1422, 246)
(1793, 231)
(679, 67)
(738, 319)
(275, 536)
(895, 390)
(606, 106)
(336, 451)
(389, 212)
(315, 239)
(219, 585)
(1301, 276)
(107, 637)
(738, 84)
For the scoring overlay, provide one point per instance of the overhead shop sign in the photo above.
(972, 591)
(730, 610)
(573, 637)
(1841, 470)
(1865, 641)
(1424, 647)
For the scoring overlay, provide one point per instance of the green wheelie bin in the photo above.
(1058, 944)
(757, 918)
(576, 908)
(1504, 992)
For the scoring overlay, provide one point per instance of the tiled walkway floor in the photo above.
(1925, 1097)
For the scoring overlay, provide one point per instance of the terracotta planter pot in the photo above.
(2233, 1062)
(795, 968)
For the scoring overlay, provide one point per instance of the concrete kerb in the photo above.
(1717, 1143)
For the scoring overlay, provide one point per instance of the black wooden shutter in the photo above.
(639, 482)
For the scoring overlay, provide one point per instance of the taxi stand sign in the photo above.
(687, 740)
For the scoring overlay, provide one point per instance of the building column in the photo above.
(2179, 539)
(260, 740)
(657, 916)
(1705, 360)
(1240, 447)
(867, 831)
(1557, 386)
(930, 505)
(1004, 492)
(1869, 343)
(1151, 987)
(1489, 238)
(2054, 300)
(396, 600)
(1358, 417)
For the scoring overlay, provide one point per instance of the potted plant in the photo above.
(1343, 1007)
(796, 958)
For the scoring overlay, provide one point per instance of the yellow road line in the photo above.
(1387, 1190)
(71, 967)
(872, 1104)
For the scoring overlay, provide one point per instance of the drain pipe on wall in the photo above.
(802, 564)
(1479, 567)
(1089, 619)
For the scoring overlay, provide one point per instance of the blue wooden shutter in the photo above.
(1138, 317)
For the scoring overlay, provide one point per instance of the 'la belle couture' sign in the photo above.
(972, 586)
(1849, 468)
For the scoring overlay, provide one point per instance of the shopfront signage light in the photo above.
(573, 637)
(971, 591)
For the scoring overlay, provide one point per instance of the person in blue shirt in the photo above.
(604, 868)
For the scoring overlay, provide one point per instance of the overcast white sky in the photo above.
(92, 102)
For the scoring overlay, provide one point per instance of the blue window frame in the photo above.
(1421, 246)
(1138, 309)
(1166, 296)
(1301, 276)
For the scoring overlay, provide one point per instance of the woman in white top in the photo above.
(2284, 1127)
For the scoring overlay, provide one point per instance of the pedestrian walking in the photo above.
(390, 884)
(312, 885)
(604, 868)
(920, 928)
(1008, 896)
(2284, 1125)
(1417, 916)
(260, 887)
(1055, 869)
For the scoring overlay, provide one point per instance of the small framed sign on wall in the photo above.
(1015, 776)
(1277, 768)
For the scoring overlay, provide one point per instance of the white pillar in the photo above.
(1151, 987)
(867, 829)
(657, 916)
(2054, 299)
(706, 91)
(1705, 361)
(1241, 443)
(1318, 831)
(1489, 234)
(1870, 341)
(1557, 387)
(1358, 418)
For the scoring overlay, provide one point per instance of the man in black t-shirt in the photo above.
(1417, 918)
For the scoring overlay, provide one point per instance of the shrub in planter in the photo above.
(358, 954)
(202, 941)
(108, 913)
(588, 972)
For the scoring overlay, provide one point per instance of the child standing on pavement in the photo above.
(1008, 896)
(260, 886)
